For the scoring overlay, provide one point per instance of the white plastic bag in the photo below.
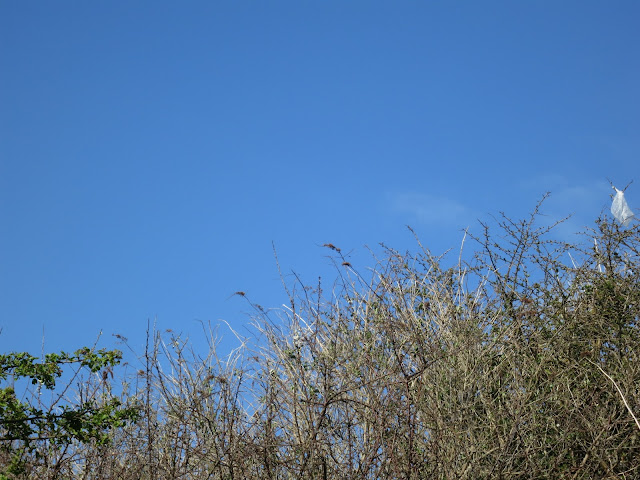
(620, 209)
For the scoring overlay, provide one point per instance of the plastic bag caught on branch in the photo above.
(620, 209)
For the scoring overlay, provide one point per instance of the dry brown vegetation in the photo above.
(519, 363)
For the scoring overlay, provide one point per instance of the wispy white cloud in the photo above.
(583, 200)
(431, 209)
(578, 198)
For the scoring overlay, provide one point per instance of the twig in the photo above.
(619, 391)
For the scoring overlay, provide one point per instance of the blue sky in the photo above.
(152, 152)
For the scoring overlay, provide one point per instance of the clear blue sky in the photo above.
(151, 152)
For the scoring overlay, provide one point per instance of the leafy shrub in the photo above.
(29, 430)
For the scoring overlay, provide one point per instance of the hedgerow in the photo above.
(517, 359)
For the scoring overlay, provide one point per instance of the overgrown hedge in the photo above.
(517, 362)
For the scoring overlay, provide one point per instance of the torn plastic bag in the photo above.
(620, 209)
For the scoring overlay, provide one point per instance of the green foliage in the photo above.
(24, 425)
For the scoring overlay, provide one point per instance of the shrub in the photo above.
(30, 430)
(519, 362)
